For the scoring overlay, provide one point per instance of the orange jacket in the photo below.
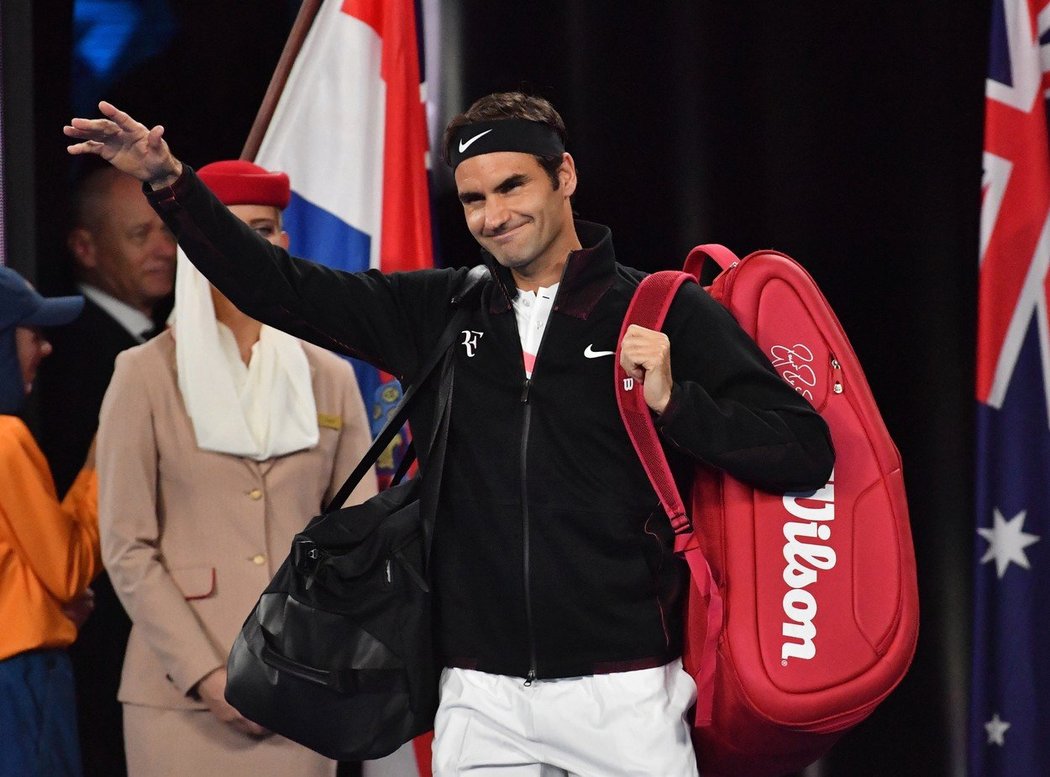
(49, 551)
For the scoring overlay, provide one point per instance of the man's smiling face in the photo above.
(514, 211)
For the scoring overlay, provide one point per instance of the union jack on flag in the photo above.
(1009, 729)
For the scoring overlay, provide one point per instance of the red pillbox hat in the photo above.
(238, 182)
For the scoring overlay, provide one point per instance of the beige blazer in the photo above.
(191, 538)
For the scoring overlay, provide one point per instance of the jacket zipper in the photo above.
(526, 419)
(530, 677)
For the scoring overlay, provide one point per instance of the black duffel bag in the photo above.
(338, 652)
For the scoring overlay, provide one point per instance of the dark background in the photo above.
(847, 135)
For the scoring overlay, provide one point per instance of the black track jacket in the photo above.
(551, 555)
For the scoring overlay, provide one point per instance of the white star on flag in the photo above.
(1006, 542)
(996, 728)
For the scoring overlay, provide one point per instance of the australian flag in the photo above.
(1010, 703)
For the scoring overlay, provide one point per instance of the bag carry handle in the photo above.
(465, 294)
(698, 257)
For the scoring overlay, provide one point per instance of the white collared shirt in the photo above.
(532, 309)
(132, 319)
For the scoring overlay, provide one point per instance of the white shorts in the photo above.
(608, 725)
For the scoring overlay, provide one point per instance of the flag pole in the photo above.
(303, 21)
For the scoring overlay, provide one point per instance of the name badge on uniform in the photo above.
(326, 421)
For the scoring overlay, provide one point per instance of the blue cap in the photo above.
(22, 305)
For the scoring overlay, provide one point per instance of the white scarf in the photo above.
(260, 410)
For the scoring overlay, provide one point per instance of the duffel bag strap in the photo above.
(435, 464)
(463, 299)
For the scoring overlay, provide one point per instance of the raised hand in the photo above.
(126, 144)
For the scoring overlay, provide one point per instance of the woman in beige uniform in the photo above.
(217, 441)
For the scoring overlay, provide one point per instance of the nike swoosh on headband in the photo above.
(590, 353)
(465, 144)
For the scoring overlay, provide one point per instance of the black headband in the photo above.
(484, 137)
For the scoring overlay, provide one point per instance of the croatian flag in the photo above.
(349, 128)
(345, 119)
(1010, 703)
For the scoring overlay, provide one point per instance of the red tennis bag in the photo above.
(802, 613)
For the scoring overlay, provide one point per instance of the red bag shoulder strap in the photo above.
(648, 309)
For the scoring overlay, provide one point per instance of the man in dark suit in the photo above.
(124, 263)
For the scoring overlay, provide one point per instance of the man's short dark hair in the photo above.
(510, 105)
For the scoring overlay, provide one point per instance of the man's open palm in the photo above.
(126, 144)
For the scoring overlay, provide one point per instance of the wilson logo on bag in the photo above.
(805, 559)
(802, 611)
